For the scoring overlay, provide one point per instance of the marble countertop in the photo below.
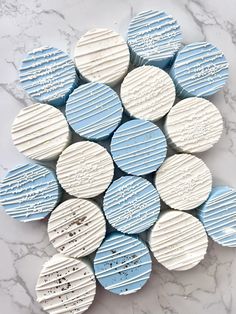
(24, 24)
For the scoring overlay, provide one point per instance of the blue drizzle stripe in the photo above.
(131, 204)
(154, 37)
(218, 215)
(94, 111)
(48, 75)
(29, 192)
(200, 69)
(122, 264)
(138, 147)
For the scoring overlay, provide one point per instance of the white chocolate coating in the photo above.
(193, 125)
(102, 55)
(178, 240)
(85, 169)
(40, 132)
(147, 93)
(65, 286)
(183, 181)
(76, 227)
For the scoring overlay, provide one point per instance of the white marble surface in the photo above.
(24, 24)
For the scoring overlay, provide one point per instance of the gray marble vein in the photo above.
(24, 24)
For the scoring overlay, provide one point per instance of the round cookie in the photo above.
(102, 55)
(138, 147)
(94, 111)
(131, 204)
(76, 227)
(66, 285)
(40, 132)
(147, 93)
(183, 181)
(193, 125)
(178, 240)
(29, 192)
(154, 37)
(48, 75)
(85, 169)
(122, 264)
(218, 215)
(199, 70)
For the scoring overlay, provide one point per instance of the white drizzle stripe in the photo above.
(120, 253)
(147, 93)
(101, 55)
(118, 243)
(178, 240)
(122, 264)
(76, 227)
(40, 132)
(193, 125)
(85, 169)
(183, 181)
(104, 273)
(65, 286)
(134, 280)
(48, 75)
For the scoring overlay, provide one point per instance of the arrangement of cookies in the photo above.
(158, 79)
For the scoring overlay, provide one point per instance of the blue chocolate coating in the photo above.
(94, 111)
(122, 263)
(218, 215)
(29, 192)
(131, 204)
(154, 37)
(138, 147)
(48, 75)
(200, 70)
